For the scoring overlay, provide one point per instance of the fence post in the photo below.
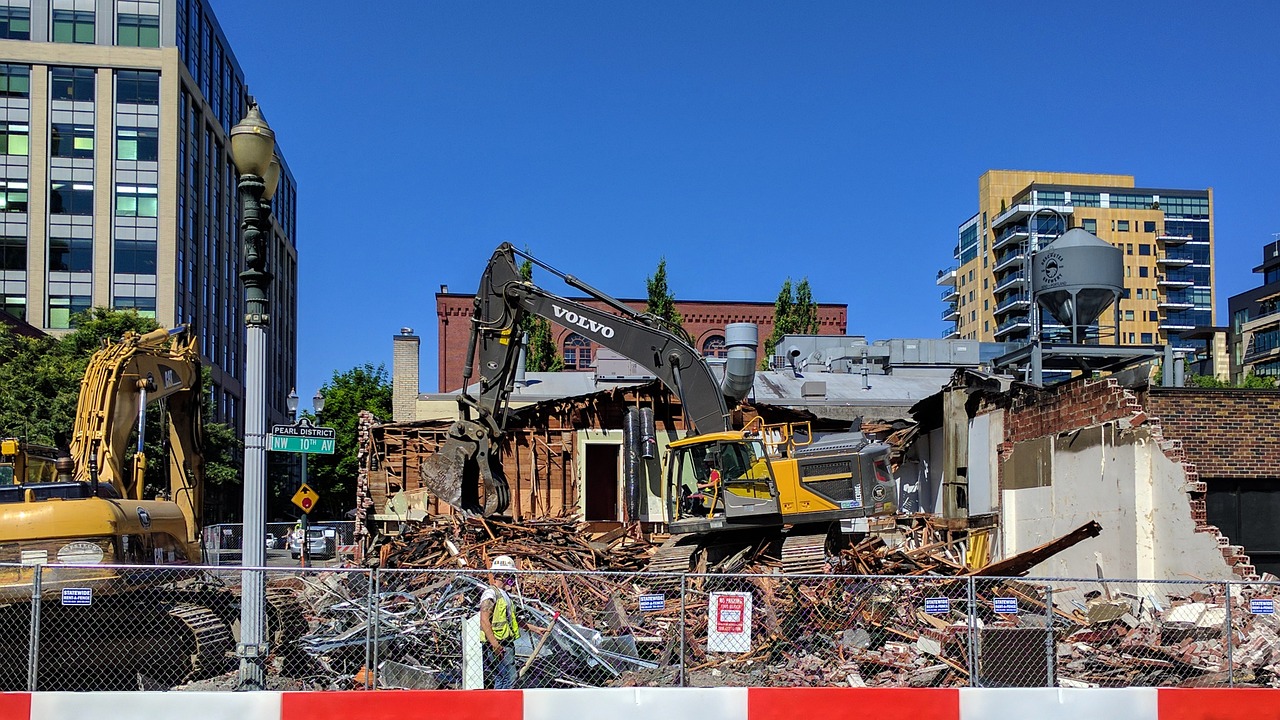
(1050, 643)
(33, 638)
(371, 627)
(1231, 665)
(683, 628)
(974, 680)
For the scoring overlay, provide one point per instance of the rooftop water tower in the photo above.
(1075, 278)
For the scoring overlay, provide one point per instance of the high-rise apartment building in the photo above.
(116, 182)
(1166, 237)
(1255, 322)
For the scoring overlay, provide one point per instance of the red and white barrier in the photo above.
(658, 704)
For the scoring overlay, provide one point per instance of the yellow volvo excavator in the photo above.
(126, 618)
(726, 488)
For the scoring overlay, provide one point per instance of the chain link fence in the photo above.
(98, 627)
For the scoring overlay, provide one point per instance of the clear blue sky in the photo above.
(746, 142)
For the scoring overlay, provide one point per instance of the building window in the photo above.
(146, 306)
(1122, 225)
(14, 138)
(137, 144)
(71, 141)
(137, 87)
(13, 196)
(134, 201)
(1148, 226)
(1128, 315)
(1128, 248)
(138, 30)
(136, 257)
(15, 22)
(1144, 249)
(71, 84)
(14, 304)
(1146, 338)
(69, 199)
(15, 81)
(13, 253)
(73, 26)
(70, 255)
(1144, 271)
(577, 352)
(63, 307)
(1090, 225)
(714, 347)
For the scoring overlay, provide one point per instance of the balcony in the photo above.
(1174, 262)
(1173, 304)
(1026, 210)
(947, 277)
(951, 333)
(951, 314)
(1016, 258)
(1016, 301)
(1172, 240)
(1013, 326)
(1015, 234)
(1174, 281)
(951, 294)
(1012, 280)
(1170, 325)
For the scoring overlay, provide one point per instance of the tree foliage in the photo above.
(364, 387)
(661, 302)
(794, 313)
(1250, 382)
(40, 386)
(541, 354)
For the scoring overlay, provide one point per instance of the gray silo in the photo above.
(1075, 278)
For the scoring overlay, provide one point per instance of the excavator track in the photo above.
(804, 554)
(212, 640)
(671, 558)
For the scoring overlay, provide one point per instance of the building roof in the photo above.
(20, 327)
(847, 395)
(543, 386)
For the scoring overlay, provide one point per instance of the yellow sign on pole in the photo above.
(306, 498)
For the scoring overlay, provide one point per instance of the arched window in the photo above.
(714, 347)
(577, 352)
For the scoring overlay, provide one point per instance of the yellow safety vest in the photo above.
(503, 620)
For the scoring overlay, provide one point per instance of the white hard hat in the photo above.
(502, 562)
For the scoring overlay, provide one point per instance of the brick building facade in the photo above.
(703, 320)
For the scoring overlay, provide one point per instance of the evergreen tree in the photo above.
(364, 387)
(794, 313)
(541, 354)
(661, 302)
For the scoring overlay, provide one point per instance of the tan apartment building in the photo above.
(1166, 237)
(116, 182)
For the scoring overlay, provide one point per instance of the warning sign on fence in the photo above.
(729, 622)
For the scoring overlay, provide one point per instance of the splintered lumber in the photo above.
(1021, 563)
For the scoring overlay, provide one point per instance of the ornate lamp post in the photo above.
(253, 149)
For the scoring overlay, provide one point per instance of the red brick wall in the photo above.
(702, 319)
(1226, 433)
(1067, 407)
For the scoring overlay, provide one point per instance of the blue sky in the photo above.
(746, 142)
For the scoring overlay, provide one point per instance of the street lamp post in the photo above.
(317, 402)
(252, 149)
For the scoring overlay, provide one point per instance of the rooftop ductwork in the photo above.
(741, 341)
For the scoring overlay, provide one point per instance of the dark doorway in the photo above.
(1245, 511)
(601, 486)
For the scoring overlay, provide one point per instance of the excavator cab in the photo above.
(721, 478)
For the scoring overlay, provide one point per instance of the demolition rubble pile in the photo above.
(899, 614)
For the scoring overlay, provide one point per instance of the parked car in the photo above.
(276, 542)
(322, 542)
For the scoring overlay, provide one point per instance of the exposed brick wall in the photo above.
(1227, 433)
(1067, 407)
(702, 319)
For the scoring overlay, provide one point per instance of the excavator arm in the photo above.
(469, 456)
(119, 382)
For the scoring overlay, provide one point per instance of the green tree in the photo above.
(364, 387)
(794, 313)
(541, 354)
(662, 303)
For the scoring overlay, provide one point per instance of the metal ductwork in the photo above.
(741, 341)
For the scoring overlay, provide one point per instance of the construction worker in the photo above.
(499, 624)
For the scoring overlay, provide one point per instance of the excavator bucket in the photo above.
(455, 473)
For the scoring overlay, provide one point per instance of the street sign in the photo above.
(305, 431)
(306, 498)
(288, 443)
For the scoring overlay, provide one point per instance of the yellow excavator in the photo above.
(99, 541)
(727, 489)
(26, 462)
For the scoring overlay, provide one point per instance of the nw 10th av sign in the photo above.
(302, 439)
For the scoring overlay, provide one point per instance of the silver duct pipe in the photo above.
(741, 341)
(520, 379)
